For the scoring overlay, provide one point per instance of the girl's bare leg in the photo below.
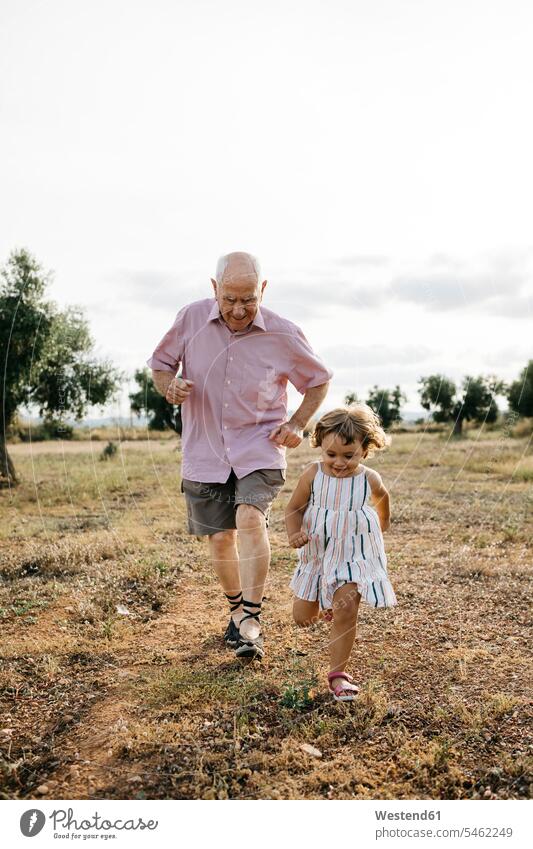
(305, 613)
(342, 635)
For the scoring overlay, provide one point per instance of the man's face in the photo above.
(238, 296)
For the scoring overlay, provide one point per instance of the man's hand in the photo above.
(298, 539)
(287, 434)
(179, 390)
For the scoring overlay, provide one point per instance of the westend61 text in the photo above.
(65, 819)
(407, 815)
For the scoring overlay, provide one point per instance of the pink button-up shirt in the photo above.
(240, 387)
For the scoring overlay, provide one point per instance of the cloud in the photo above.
(445, 291)
(443, 260)
(510, 356)
(373, 356)
(313, 296)
(164, 290)
(358, 260)
(494, 284)
(518, 307)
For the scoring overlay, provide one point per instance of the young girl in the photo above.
(339, 533)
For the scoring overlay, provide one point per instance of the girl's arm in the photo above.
(380, 498)
(295, 508)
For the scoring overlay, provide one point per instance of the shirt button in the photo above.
(228, 381)
(225, 427)
(225, 405)
(231, 359)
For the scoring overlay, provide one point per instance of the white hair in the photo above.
(223, 263)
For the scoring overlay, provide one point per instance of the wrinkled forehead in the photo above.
(239, 282)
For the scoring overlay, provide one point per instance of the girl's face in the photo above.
(340, 459)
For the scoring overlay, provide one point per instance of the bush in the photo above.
(109, 451)
(54, 429)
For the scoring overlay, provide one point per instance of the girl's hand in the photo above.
(298, 539)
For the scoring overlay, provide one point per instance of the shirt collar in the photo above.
(215, 313)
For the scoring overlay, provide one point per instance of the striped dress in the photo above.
(345, 543)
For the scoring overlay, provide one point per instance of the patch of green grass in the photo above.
(523, 475)
(298, 696)
(21, 606)
(510, 533)
(185, 686)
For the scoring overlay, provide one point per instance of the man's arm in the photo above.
(162, 380)
(290, 433)
(310, 404)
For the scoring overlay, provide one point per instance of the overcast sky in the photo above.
(375, 156)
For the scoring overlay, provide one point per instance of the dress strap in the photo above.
(313, 483)
(366, 488)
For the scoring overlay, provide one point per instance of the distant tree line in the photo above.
(473, 401)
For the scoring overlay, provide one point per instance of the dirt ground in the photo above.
(115, 682)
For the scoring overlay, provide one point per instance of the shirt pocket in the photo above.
(259, 385)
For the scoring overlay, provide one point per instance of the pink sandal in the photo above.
(342, 692)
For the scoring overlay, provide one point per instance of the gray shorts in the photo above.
(211, 507)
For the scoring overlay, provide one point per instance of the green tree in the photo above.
(475, 401)
(387, 403)
(46, 355)
(520, 392)
(351, 398)
(148, 401)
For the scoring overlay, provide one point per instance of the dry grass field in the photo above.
(115, 682)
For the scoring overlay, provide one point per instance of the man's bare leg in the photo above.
(225, 559)
(254, 559)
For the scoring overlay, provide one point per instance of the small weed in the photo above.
(298, 696)
(107, 629)
(500, 704)
(396, 735)
(48, 666)
(510, 533)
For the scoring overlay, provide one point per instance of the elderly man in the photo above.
(236, 359)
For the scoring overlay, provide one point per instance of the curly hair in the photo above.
(357, 421)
